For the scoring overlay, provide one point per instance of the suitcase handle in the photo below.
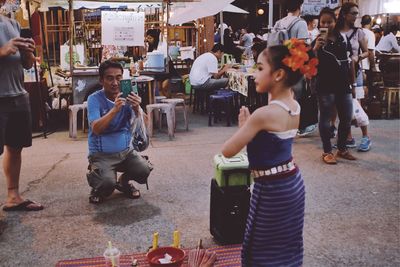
(228, 172)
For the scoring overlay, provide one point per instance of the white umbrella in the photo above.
(234, 9)
(198, 10)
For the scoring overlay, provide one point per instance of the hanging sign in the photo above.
(313, 7)
(122, 28)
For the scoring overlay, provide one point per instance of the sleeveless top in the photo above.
(269, 149)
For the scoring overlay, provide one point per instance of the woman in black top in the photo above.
(333, 86)
(230, 47)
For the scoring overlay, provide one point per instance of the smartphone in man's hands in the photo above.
(125, 87)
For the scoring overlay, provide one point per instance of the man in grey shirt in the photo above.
(16, 53)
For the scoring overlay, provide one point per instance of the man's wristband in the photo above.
(354, 84)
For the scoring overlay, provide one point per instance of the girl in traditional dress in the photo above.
(274, 230)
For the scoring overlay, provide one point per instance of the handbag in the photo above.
(359, 114)
(140, 139)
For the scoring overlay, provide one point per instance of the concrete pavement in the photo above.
(352, 209)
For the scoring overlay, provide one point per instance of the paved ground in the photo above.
(352, 209)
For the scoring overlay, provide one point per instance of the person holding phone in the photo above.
(333, 85)
(110, 150)
(16, 53)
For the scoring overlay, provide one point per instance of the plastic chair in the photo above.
(174, 102)
(73, 121)
(159, 109)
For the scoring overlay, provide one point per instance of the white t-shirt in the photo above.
(388, 43)
(313, 34)
(203, 68)
(370, 37)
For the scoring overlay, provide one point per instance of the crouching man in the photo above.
(109, 139)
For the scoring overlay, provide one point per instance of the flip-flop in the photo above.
(26, 205)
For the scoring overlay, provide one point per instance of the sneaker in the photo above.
(333, 131)
(351, 143)
(345, 155)
(365, 144)
(308, 130)
(329, 158)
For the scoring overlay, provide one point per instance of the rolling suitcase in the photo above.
(229, 207)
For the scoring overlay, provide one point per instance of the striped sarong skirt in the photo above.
(274, 230)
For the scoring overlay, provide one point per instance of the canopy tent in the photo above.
(196, 10)
(234, 9)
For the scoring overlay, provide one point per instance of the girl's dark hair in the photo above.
(326, 11)
(108, 64)
(344, 10)
(275, 55)
(156, 36)
(309, 18)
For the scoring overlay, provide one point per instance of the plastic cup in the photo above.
(111, 255)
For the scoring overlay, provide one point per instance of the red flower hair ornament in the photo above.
(299, 58)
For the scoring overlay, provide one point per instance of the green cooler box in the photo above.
(236, 168)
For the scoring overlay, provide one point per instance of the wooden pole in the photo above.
(270, 15)
(71, 36)
(221, 28)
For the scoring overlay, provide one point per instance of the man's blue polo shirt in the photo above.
(117, 136)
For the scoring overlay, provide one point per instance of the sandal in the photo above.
(329, 158)
(95, 199)
(130, 191)
(26, 205)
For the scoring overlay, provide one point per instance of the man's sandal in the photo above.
(130, 191)
(95, 199)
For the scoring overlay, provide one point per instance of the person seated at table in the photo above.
(205, 74)
(109, 116)
(388, 43)
(230, 47)
(153, 42)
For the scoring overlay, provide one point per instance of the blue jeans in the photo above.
(344, 106)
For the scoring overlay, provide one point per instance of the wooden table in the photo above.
(243, 82)
(238, 81)
(226, 256)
